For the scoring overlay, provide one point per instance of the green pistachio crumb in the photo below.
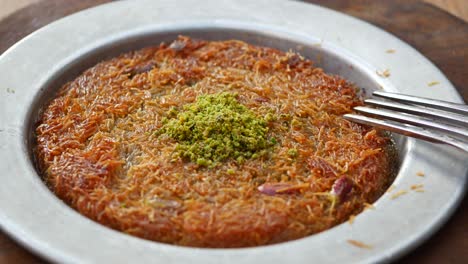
(202, 162)
(270, 117)
(292, 152)
(273, 141)
(215, 128)
(295, 122)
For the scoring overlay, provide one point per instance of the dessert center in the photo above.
(215, 128)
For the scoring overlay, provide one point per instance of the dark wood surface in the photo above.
(438, 35)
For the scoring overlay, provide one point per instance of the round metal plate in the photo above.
(34, 66)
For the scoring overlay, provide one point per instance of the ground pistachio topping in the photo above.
(216, 127)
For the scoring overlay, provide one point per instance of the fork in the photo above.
(428, 119)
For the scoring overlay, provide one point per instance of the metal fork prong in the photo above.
(426, 111)
(423, 101)
(412, 119)
(407, 130)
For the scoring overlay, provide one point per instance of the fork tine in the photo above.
(412, 119)
(427, 111)
(423, 101)
(407, 130)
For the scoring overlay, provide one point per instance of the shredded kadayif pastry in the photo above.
(211, 144)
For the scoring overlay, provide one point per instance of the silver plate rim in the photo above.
(51, 246)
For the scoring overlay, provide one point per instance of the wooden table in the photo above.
(440, 36)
